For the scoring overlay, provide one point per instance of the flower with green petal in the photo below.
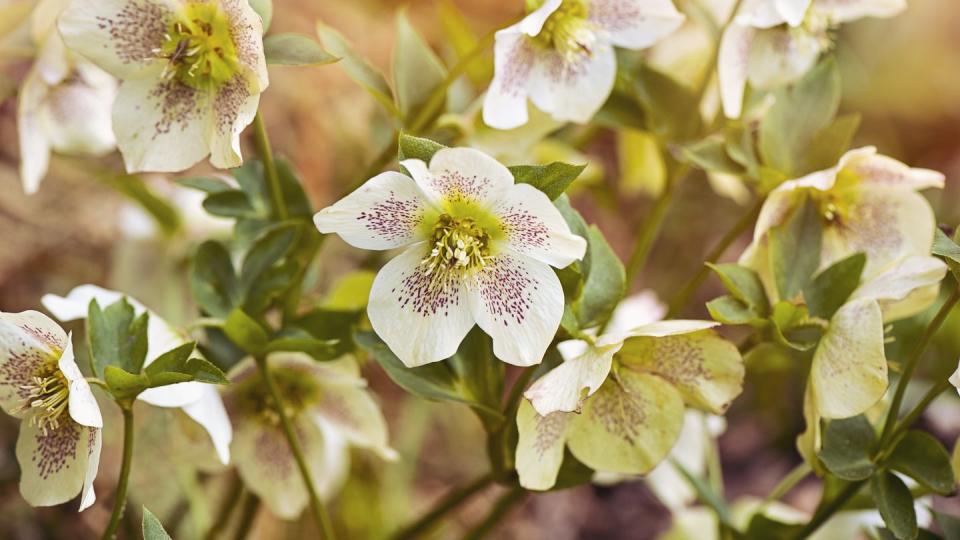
(619, 406)
(330, 408)
(191, 75)
(59, 443)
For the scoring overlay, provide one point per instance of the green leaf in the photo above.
(319, 349)
(172, 360)
(945, 247)
(123, 384)
(213, 280)
(232, 204)
(729, 310)
(133, 187)
(298, 205)
(417, 71)
(744, 284)
(792, 327)
(245, 332)
(798, 114)
(459, 34)
(152, 528)
(795, 249)
(895, 503)
(205, 184)
(552, 179)
(116, 336)
(480, 375)
(847, 444)
(572, 473)
(329, 325)
(410, 147)
(950, 525)
(830, 143)
(364, 74)
(767, 528)
(830, 289)
(921, 457)
(670, 108)
(710, 155)
(264, 8)
(270, 248)
(202, 370)
(295, 50)
(604, 283)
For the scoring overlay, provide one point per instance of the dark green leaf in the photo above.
(152, 528)
(297, 203)
(480, 375)
(411, 147)
(123, 384)
(232, 204)
(295, 50)
(671, 109)
(795, 249)
(319, 349)
(205, 184)
(572, 473)
(945, 247)
(172, 360)
(766, 528)
(604, 284)
(329, 325)
(830, 289)
(253, 183)
(921, 457)
(245, 332)
(744, 284)
(364, 74)
(710, 154)
(830, 143)
(117, 337)
(729, 310)
(417, 71)
(270, 286)
(212, 279)
(204, 371)
(267, 250)
(895, 504)
(847, 444)
(552, 179)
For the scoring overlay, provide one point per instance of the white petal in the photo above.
(671, 328)
(759, 14)
(118, 35)
(234, 106)
(519, 302)
(533, 226)
(505, 104)
(461, 175)
(421, 321)
(780, 56)
(383, 213)
(161, 126)
(877, 171)
(574, 90)
(533, 22)
(540, 446)
(792, 10)
(29, 341)
(636, 310)
(34, 146)
(83, 405)
(246, 28)
(841, 11)
(209, 412)
(897, 284)
(732, 64)
(690, 450)
(636, 24)
(87, 495)
(566, 386)
(54, 467)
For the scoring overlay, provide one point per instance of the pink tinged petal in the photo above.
(351, 410)
(54, 466)
(566, 386)
(540, 446)
(82, 404)
(384, 213)
(882, 172)
(759, 14)
(34, 145)
(87, 495)
(732, 67)
(792, 11)
(636, 24)
(422, 318)
(574, 89)
(505, 104)
(461, 175)
(518, 301)
(29, 342)
(120, 36)
(77, 113)
(533, 23)
(209, 412)
(841, 11)
(905, 289)
(534, 227)
(780, 56)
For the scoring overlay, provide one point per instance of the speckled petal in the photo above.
(34, 145)
(566, 386)
(87, 495)
(461, 176)
(636, 24)
(29, 341)
(54, 467)
(83, 405)
(540, 446)
(573, 89)
(732, 64)
(234, 106)
(505, 104)
(841, 11)
(534, 227)
(905, 289)
(792, 11)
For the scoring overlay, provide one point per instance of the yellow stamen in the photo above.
(48, 395)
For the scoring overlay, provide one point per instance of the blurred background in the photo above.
(900, 73)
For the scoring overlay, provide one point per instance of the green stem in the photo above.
(500, 509)
(911, 365)
(120, 497)
(825, 513)
(912, 417)
(251, 504)
(316, 506)
(269, 167)
(788, 482)
(449, 503)
(680, 300)
(650, 228)
(233, 494)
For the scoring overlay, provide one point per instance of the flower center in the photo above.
(47, 395)
(568, 31)
(199, 48)
(298, 389)
(459, 245)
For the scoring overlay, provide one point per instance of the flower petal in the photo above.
(636, 24)
(161, 125)
(246, 29)
(671, 328)
(841, 11)
(811, 440)
(540, 446)
(636, 310)
(352, 411)
(894, 289)
(878, 171)
(505, 104)
(792, 10)
(629, 426)
(566, 386)
(461, 175)
(690, 450)
(29, 341)
(54, 467)
(706, 369)
(733, 59)
(87, 495)
(532, 24)
(779, 56)
(849, 371)
(209, 412)
(234, 106)
(422, 321)
(519, 302)
(82, 404)
(534, 227)
(383, 213)
(759, 14)
(120, 36)
(573, 89)
(34, 146)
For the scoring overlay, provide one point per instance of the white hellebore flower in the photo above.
(619, 407)
(64, 102)
(775, 42)
(330, 407)
(478, 250)
(40, 383)
(192, 72)
(561, 56)
(200, 401)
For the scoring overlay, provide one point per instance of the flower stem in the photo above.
(248, 513)
(234, 492)
(788, 482)
(651, 226)
(316, 506)
(912, 417)
(911, 364)
(502, 507)
(269, 167)
(681, 298)
(120, 497)
(825, 513)
(449, 503)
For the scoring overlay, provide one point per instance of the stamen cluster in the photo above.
(199, 48)
(48, 394)
(568, 31)
(459, 244)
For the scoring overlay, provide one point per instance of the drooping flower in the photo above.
(619, 407)
(59, 443)
(330, 408)
(191, 71)
(200, 401)
(561, 56)
(478, 250)
(64, 102)
(775, 42)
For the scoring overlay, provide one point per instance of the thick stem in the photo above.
(270, 167)
(120, 497)
(500, 510)
(448, 504)
(316, 506)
